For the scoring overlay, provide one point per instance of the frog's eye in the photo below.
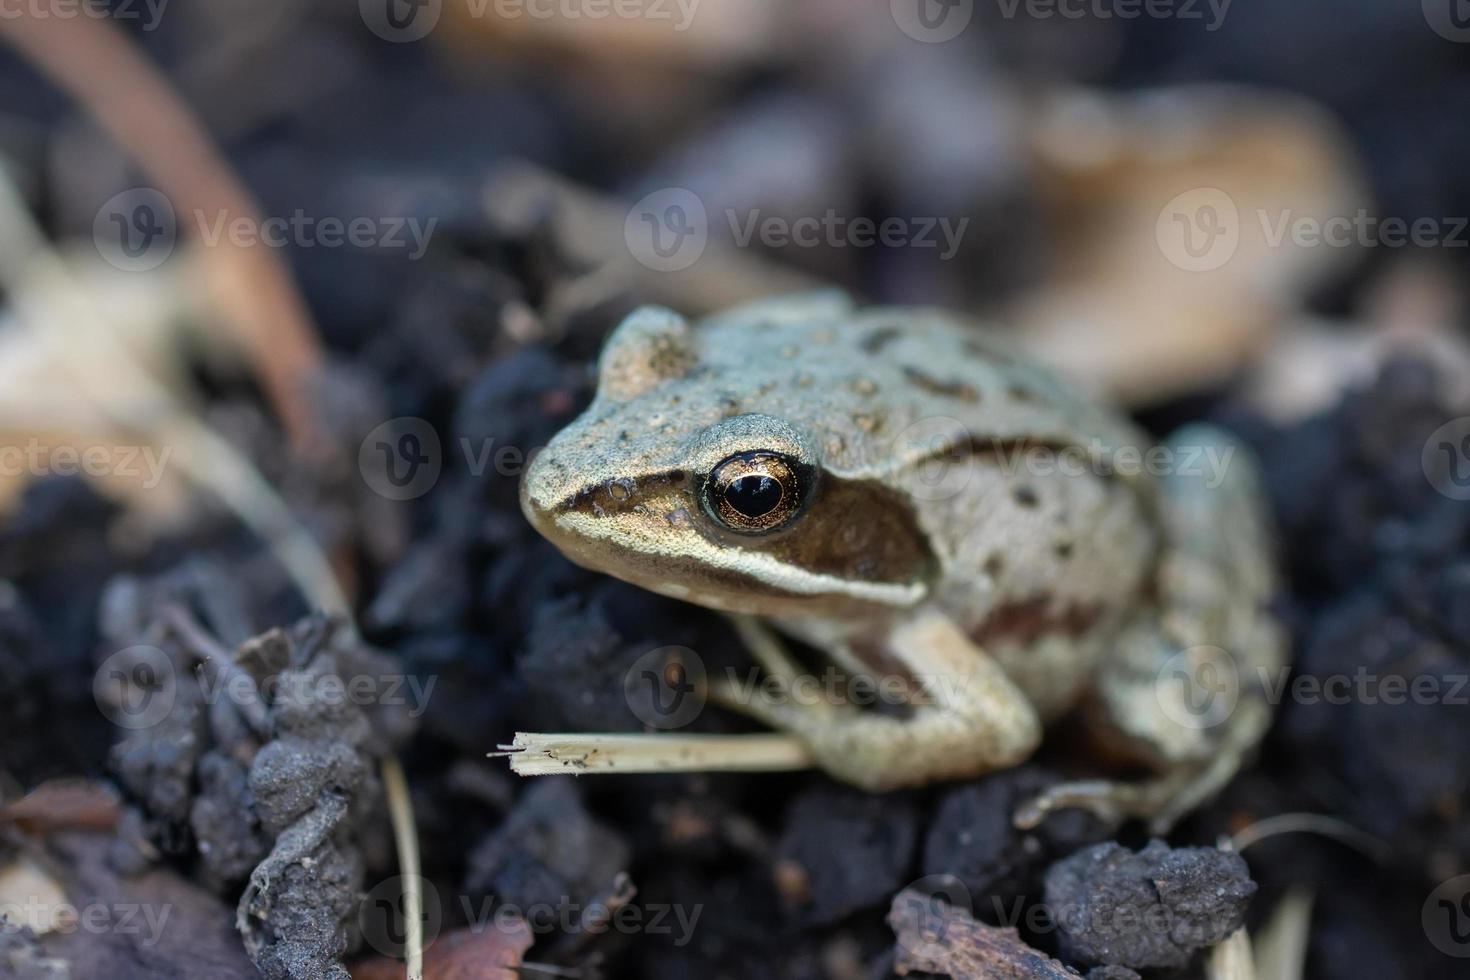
(757, 491)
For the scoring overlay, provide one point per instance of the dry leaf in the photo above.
(935, 937)
(489, 954)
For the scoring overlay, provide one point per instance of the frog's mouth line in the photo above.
(684, 559)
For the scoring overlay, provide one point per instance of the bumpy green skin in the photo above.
(963, 520)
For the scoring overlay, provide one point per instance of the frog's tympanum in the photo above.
(905, 493)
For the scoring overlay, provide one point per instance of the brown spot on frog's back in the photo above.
(985, 351)
(1024, 621)
(878, 339)
(958, 390)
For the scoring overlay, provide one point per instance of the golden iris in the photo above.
(754, 491)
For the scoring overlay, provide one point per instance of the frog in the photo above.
(904, 492)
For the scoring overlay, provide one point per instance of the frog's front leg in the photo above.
(1183, 690)
(970, 718)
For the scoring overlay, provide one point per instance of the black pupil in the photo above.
(753, 496)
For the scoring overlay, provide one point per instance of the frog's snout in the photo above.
(543, 492)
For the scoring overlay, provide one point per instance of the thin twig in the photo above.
(405, 835)
(1281, 944)
(61, 313)
(94, 62)
(1232, 959)
(535, 754)
(1313, 823)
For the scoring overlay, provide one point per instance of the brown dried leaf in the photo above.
(490, 954)
(935, 937)
(64, 804)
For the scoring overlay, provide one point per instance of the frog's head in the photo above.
(659, 485)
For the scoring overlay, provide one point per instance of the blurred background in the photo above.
(291, 290)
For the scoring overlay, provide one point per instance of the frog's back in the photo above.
(1039, 552)
(878, 386)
